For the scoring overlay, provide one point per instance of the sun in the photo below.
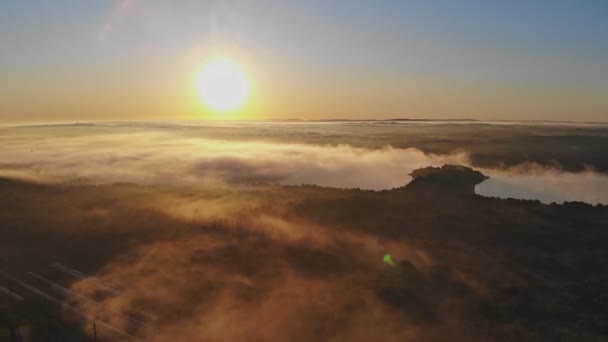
(222, 85)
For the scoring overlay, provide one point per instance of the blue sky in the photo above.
(308, 59)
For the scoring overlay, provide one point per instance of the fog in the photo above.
(202, 231)
(87, 154)
(171, 154)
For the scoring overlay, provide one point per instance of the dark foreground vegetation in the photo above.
(301, 263)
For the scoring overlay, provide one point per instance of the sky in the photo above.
(138, 59)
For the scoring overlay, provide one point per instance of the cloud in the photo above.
(218, 262)
(171, 155)
(246, 284)
(202, 255)
(150, 157)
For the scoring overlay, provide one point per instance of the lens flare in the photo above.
(388, 259)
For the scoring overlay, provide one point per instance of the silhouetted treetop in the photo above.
(450, 178)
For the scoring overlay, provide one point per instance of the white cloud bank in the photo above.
(167, 157)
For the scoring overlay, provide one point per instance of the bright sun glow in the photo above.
(222, 85)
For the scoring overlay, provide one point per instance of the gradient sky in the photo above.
(136, 59)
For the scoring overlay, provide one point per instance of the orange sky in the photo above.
(137, 60)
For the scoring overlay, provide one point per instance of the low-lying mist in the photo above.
(230, 262)
(172, 155)
(88, 154)
(204, 238)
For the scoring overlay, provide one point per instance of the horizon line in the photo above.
(289, 120)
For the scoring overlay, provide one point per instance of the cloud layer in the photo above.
(200, 255)
(147, 155)
(89, 154)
